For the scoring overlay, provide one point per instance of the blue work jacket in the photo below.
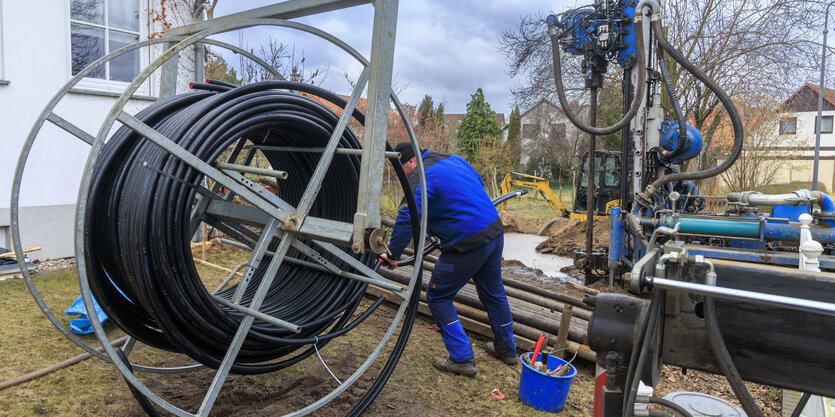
(460, 212)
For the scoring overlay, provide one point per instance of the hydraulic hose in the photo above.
(723, 357)
(639, 94)
(138, 227)
(653, 188)
(646, 332)
(671, 92)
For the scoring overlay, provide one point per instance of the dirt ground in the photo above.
(94, 387)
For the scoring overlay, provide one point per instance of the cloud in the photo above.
(446, 49)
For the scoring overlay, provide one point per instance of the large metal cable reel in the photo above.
(277, 210)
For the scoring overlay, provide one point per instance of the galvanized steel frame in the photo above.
(379, 72)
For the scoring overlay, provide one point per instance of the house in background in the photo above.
(41, 47)
(546, 130)
(798, 127)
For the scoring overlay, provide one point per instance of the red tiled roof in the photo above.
(828, 94)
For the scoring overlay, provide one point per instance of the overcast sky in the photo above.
(446, 49)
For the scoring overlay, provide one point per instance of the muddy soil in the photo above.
(565, 235)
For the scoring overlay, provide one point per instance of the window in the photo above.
(788, 126)
(98, 27)
(826, 124)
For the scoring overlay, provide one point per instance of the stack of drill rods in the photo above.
(532, 294)
(529, 319)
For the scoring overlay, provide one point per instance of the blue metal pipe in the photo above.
(785, 231)
(826, 203)
(617, 236)
(715, 227)
(752, 229)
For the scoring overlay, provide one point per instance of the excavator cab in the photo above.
(606, 183)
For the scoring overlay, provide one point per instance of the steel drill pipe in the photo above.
(476, 321)
(533, 294)
(523, 312)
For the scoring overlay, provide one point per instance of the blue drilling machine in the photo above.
(745, 291)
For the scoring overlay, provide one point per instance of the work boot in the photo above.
(491, 350)
(466, 368)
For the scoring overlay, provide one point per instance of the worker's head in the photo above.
(407, 156)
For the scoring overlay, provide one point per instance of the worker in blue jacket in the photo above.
(462, 216)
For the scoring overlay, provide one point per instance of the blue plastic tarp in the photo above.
(82, 325)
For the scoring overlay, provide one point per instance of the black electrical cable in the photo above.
(723, 98)
(723, 357)
(671, 92)
(138, 228)
(636, 102)
(677, 409)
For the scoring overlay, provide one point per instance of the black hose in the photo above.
(726, 102)
(646, 332)
(138, 228)
(636, 102)
(671, 92)
(801, 404)
(677, 409)
(726, 363)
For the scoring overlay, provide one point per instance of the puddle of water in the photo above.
(522, 247)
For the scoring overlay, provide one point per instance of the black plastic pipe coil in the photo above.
(137, 229)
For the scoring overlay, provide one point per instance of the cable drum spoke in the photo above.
(138, 206)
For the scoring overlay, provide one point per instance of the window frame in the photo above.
(3, 80)
(823, 118)
(106, 85)
(785, 132)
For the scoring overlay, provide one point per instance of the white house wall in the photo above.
(36, 57)
(806, 131)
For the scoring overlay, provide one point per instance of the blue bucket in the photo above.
(542, 391)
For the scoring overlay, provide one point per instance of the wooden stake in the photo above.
(36, 248)
(562, 336)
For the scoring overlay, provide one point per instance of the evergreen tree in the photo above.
(425, 110)
(514, 129)
(479, 123)
(439, 114)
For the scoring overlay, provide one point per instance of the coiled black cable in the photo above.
(138, 227)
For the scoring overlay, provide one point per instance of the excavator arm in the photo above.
(537, 184)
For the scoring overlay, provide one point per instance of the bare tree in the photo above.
(284, 60)
(765, 148)
(492, 158)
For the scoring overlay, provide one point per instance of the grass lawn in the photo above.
(94, 387)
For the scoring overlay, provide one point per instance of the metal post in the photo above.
(374, 136)
(590, 186)
(819, 120)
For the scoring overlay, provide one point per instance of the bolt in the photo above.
(613, 341)
(618, 308)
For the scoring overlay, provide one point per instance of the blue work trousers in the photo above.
(451, 273)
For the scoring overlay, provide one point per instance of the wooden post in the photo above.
(562, 336)
(203, 245)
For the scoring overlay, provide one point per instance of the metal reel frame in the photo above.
(277, 209)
